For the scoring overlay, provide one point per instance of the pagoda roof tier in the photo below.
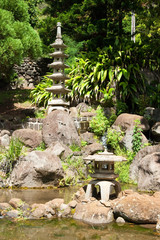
(57, 65)
(58, 45)
(103, 157)
(58, 102)
(58, 76)
(57, 89)
(58, 54)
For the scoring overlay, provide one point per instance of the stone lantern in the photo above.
(104, 174)
(58, 89)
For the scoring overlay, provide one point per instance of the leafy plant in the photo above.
(107, 97)
(137, 137)
(99, 123)
(40, 113)
(114, 138)
(41, 147)
(75, 165)
(39, 95)
(83, 143)
(75, 148)
(12, 154)
(123, 168)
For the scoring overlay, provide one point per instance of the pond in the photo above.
(69, 229)
(64, 229)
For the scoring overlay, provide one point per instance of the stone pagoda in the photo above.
(58, 89)
(103, 164)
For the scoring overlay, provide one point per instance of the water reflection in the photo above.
(69, 229)
(38, 195)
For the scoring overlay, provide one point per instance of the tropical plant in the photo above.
(39, 95)
(116, 70)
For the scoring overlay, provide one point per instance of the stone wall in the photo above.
(14, 123)
(30, 72)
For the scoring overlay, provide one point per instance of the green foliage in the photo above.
(75, 148)
(114, 142)
(33, 11)
(91, 21)
(83, 143)
(73, 49)
(40, 113)
(39, 95)
(77, 166)
(121, 107)
(123, 168)
(108, 97)
(12, 154)
(114, 138)
(99, 123)
(137, 137)
(41, 147)
(17, 38)
(118, 66)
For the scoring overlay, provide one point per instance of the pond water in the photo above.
(69, 229)
(64, 229)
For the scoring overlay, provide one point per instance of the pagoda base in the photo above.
(105, 189)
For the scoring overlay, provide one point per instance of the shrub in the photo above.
(99, 123)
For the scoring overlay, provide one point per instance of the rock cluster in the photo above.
(129, 206)
(30, 72)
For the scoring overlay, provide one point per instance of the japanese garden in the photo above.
(79, 119)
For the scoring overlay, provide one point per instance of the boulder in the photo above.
(88, 137)
(82, 107)
(37, 169)
(16, 203)
(73, 112)
(59, 126)
(4, 132)
(30, 138)
(93, 212)
(55, 203)
(12, 214)
(126, 120)
(128, 137)
(149, 154)
(155, 132)
(92, 148)
(5, 206)
(137, 208)
(41, 211)
(5, 140)
(61, 150)
(149, 172)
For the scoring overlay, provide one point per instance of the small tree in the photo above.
(17, 38)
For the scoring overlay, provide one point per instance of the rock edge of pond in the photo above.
(130, 206)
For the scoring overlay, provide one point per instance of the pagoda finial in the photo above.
(59, 35)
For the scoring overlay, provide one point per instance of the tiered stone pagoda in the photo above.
(103, 175)
(58, 89)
